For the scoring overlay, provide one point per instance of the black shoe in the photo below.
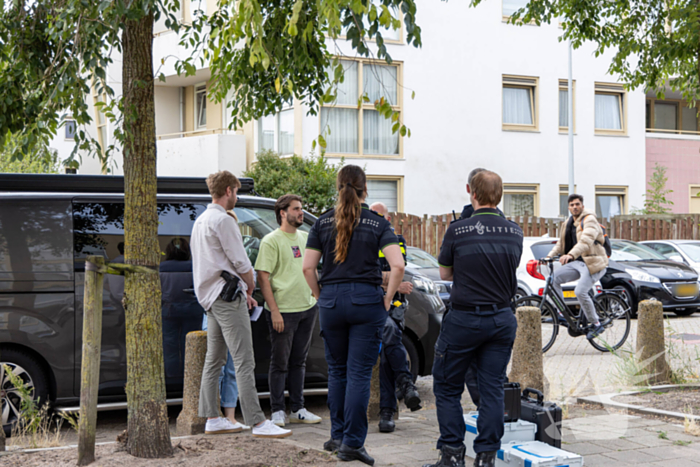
(485, 459)
(406, 390)
(450, 457)
(386, 421)
(595, 331)
(332, 445)
(347, 454)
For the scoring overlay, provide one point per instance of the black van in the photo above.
(49, 224)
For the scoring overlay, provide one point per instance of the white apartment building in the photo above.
(487, 94)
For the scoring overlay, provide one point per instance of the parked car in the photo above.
(641, 273)
(427, 265)
(49, 224)
(680, 251)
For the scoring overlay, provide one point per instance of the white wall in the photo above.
(167, 106)
(199, 156)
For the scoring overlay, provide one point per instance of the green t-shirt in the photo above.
(282, 254)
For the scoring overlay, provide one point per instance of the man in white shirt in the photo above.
(217, 246)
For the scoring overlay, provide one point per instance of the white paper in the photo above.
(257, 311)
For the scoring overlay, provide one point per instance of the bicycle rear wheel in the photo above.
(614, 315)
(550, 323)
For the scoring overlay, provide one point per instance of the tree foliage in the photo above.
(656, 200)
(312, 178)
(654, 43)
(43, 160)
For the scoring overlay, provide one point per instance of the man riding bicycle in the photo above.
(582, 257)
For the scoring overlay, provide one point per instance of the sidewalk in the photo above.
(604, 439)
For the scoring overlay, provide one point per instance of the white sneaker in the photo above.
(279, 418)
(269, 430)
(304, 416)
(221, 425)
(240, 425)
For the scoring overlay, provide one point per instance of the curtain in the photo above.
(607, 112)
(380, 81)
(347, 90)
(563, 205)
(343, 130)
(266, 132)
(665, 116)
(517, 107)
(384, 191)
(690, 119)
(202, 108)
(563, 108)
(518, 205)
(378, 138)
(608, 206)
(286, 137)
(511, 6)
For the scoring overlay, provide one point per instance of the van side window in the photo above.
(99, 231)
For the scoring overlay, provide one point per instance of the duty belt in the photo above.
(477, 308)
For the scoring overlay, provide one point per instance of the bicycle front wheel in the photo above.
(550, 322)
(614, 315)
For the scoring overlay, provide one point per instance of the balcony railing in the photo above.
(673, 132)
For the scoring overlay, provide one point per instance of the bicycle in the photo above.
(611, 309)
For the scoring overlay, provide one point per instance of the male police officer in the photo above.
(395, 378)
(480, 255)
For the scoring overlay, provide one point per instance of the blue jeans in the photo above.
(485, 336)
(352, 321)
(228, 388)
(393, 364)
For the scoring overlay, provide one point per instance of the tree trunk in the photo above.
(148, 428)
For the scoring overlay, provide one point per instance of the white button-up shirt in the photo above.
(217, 246)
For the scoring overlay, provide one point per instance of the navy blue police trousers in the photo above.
(352, 321)
(394, 363)
(485, 336)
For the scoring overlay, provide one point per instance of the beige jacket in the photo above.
(586, 237)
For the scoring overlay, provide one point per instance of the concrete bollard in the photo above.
(651, 344)
(528, 366)
(2, 439)
(373, 406)
(189, 422)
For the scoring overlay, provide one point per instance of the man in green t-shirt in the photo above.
(290, 309)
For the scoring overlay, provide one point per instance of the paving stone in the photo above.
(584, 449)
(618, 444)
(670, 452)
(599, 460)
(678, 463)
(631, 457)
(651, 440)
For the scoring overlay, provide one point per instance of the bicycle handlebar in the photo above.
(549, 259)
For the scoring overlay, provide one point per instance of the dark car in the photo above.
(426, 264)
(49, 224)
(640, 273)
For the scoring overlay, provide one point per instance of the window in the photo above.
(694, 199)
(564, 200)
(349, 130)
(664, 249)
(520, 199)
(276, 132)
(671, 116)
(387, 190)
(100, 118)
(564, 104)
(388, 34)
(200, 106)
(70, 129)
(610, 109)
(511, 6)
(610, 201)
(520, 103)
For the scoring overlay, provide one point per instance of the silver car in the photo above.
(681, 251)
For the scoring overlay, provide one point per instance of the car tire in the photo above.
(32, 372)
(519, 294)
(685, 312)
(627, 296)
(411, 356)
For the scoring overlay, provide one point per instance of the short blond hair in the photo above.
(218, 183)
(487, 188)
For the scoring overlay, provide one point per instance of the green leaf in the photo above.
(277, 84)
(322, 141)
(413, 95)
(403, 131)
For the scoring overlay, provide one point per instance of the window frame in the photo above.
(564, 190)
(530, 83)
(72, 122)
(399, 187)
(361, 62)
(564, 86)
(680, 105)
(286, 107)
(613, 190)
(613, 89)
(523, 189)
(693, 188)
(197, 89)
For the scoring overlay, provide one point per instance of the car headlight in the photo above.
(642, 276)
(441, 287)
(424, 284)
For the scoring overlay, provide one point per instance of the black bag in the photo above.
(607, 244)
(232, 287)
(546, 415)
(512, 402)
(398, 314)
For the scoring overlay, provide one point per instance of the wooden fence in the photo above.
(426, 232)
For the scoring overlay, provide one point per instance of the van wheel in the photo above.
(411, 356)
(34, 378)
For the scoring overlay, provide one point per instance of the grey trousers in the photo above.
(229, 329)
(572, 271)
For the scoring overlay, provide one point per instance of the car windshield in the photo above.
(629, 251)
(419, 259)
(540, 250)
(692, 250)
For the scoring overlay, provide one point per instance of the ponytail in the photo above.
(351, 188)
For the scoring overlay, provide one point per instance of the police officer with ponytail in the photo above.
(353, 306)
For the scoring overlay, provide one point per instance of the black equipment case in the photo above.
(512, 402)
(546, 415)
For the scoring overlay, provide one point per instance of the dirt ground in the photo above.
(210, 451)
(682, 400)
